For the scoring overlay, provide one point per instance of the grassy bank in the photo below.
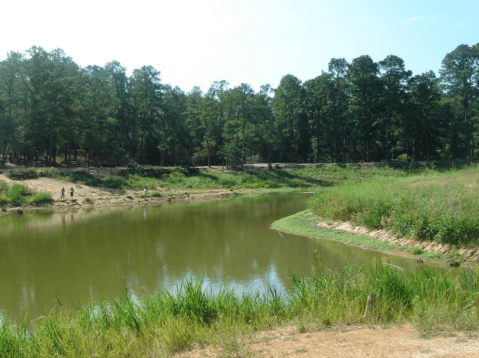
(18, 194)
(441, 207)
(179, 178)
(304, 224)
(167, 322)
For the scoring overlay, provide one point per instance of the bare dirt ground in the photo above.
(352, 341)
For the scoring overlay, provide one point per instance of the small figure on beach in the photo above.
(63, 193)
(144, 192)
(71, 192)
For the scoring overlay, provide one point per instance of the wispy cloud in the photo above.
(332, 10)
(421, 18)
(464, 21)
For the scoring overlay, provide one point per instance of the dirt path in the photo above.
(353, 342)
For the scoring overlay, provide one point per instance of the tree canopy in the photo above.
(58, 113)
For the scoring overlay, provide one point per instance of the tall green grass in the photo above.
(167, 322)
(440, 207)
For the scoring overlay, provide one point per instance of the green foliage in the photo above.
(363, 110)
(192, 302)
(154, 194)
(18, 194)
(440, 207)
(114, 183)
(4, 199)
(41, 197)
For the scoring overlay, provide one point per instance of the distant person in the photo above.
(63, 193)
(144, 192)
(71, 192)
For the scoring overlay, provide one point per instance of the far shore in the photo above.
(95, 197)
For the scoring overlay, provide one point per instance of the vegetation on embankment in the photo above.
(304, 224)
(18, 194)
(168, 322)
(185, 178)
(440, 207)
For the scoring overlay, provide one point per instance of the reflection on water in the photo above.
(83, 256)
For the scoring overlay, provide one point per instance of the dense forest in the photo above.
(56, 112)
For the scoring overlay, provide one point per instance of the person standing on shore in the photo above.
(144, 192)
(63, 193)
(71, 192)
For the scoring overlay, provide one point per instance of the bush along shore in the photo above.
(168, 322)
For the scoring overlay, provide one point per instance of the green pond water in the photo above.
(70, 258)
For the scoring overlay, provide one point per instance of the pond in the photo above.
(50, 259)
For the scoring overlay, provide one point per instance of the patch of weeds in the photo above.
(233, 348)
(416, 250)
(432, 256)
(42, 197)
(129, 197)
(302, 327)
(302, 350)
(114, 183)
(89, 200)
(154, 194)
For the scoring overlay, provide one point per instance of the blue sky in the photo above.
(196, 42)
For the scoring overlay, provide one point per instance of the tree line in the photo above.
(53, 110)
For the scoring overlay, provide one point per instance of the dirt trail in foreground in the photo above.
(353, 342)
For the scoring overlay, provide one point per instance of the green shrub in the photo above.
(416, 250)
(17, 193)
(4, 199)
(154, 194)
(89, 200)
(42, 197)
(114, 183)
(51, 172)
